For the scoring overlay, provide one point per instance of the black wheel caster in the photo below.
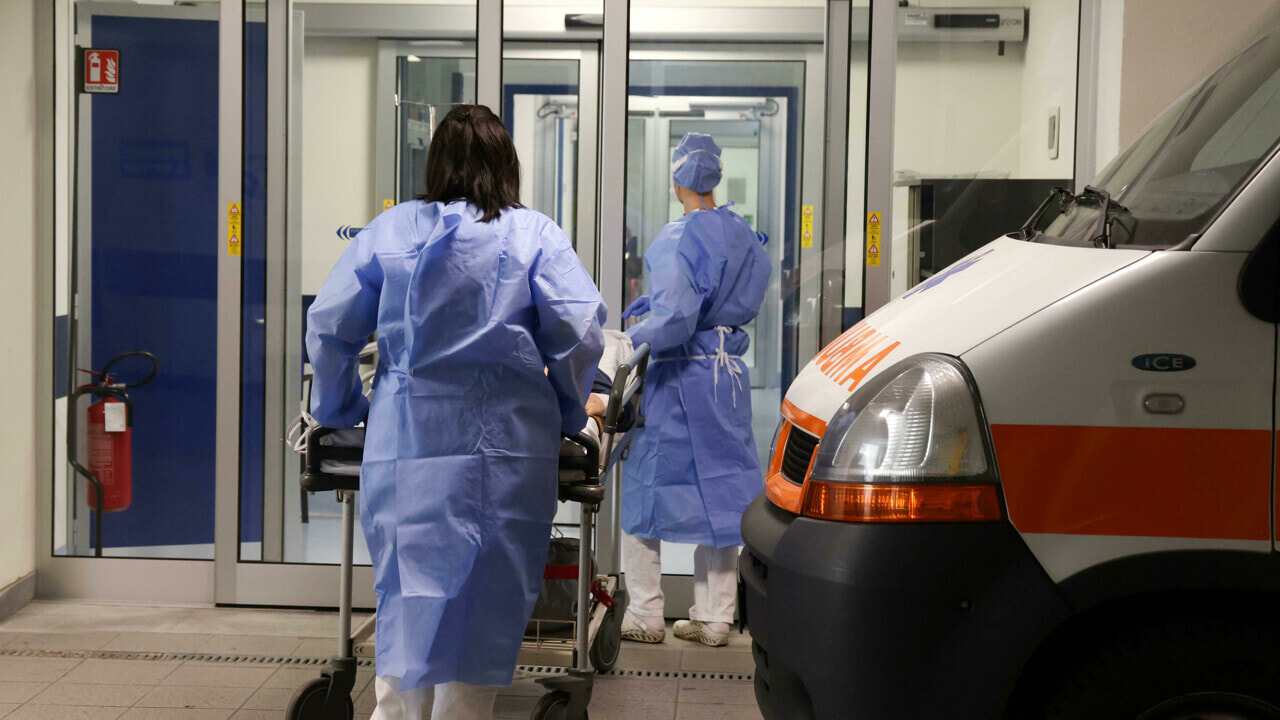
(309, 703)
(554, 706)
(608, 645)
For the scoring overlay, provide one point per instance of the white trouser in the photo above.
(715, 581)
(449, 701)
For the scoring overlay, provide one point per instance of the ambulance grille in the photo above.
(797, 454)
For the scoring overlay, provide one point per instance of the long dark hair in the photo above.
(472, 158)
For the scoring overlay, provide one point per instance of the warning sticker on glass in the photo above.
(234, 236)
(806, 226)
(873, 239)
(115, 417)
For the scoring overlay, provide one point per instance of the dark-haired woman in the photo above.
(489, 331)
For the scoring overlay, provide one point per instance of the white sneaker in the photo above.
(636, 629)
(709, 634)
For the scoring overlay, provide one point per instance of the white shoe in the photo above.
(709, 634)
(636, 629)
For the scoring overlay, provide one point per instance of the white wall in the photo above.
(1048, 82)
(339, 76)
(1169, 45)
(1110, 62)
(17, 289)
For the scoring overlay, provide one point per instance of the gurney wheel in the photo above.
(608, 644)
(554, 706)
(308, 703)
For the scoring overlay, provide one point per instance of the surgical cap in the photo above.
(695, 164)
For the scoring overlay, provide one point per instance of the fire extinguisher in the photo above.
(109, 435)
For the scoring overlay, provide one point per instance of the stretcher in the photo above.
(589, 643)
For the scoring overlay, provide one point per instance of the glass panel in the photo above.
(540, 110)
(429, 87)
(856, 212)
(253, 279)
(540, 107)
(984, 127)
(754, 99)
(369, 80)
(1194, 157)
(138, 193)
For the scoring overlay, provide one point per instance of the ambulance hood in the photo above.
(953, 311)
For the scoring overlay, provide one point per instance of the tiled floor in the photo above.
(69, 661)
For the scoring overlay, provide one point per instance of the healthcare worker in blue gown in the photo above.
(693, 470)
(489, 332)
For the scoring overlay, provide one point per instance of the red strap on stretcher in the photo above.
(560, 572)
(601, 595)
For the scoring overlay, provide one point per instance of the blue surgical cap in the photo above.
(695, 164)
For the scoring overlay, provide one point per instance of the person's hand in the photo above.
(596, 405)
(638, 307)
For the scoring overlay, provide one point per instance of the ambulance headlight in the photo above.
(909, 446)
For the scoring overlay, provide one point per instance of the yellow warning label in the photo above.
(873, 239)
(234, 235)
(806, 226)
(388, 203)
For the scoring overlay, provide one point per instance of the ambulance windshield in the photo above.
(1186, 166)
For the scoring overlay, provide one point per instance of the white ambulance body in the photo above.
(1042, 483)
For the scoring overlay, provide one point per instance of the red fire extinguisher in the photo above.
(110, 458)
(109, 435)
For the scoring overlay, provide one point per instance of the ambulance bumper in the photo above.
(886, 621)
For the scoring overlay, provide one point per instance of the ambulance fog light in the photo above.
(911, 445)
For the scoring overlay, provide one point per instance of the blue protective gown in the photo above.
(693, 468)
(488, 339)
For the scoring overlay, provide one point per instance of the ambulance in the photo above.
(1041, 484)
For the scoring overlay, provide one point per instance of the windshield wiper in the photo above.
(1028, 229)
(1107, 206)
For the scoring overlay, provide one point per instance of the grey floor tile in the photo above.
(717, 660)
(655, 657)
(523, 688)
(269, 699)
(516, 705)
(246, 714)
(175, 714)
(211, 675)
(6, 708)
(626, 690)
(695, 711)
(717, 692)
(544, 656)
(72, 616)
(20, 692)
(35, 669)
(121, 672)
(633, 711)
(255, 645)
(160, 642)
(183, 696)
(87, 695)
(366, 701)
(62, 712)
(740, 640)
(292, 677)
(315, 647)
(55, 641)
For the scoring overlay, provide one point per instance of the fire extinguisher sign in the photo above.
(100, 71)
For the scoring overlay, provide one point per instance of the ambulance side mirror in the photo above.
(1260, 278)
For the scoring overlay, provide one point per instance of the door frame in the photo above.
(141, 580)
